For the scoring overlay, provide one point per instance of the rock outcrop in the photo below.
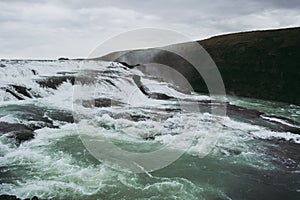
(257, 64)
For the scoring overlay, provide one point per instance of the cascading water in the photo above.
(42, 154)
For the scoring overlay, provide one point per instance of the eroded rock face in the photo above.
(145, 90)
(55, 81)
(20, 92)
(32, 118)
(258, 64)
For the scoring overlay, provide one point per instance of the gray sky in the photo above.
(73, 28)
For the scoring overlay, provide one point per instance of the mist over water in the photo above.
(256, 155)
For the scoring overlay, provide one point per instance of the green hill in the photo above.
(257, 64)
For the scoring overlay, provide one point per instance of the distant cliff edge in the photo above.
(257, 64)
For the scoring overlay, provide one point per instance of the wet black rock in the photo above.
(55, 81)
(12, 127)
(105, 102)
(18, 132)
(110, 82)
(160, 96)
(14, 197)
(146, 91)
(101, 102)
(22, 90)
(137, 117)
(234, 151)
(60, 115)
(63, 58)
(35, 118)
(149, 138)
(39, 116)
(14, 94)
(34, 72)
(129, 66)
(66, 73)
(9, 197)
(24, 135)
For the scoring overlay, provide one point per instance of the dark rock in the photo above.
(101, 102)
(26, 92)
(149, 138)
(22, 90)
(138, 118)
(145, 90)
(44, 116)
(63, 58)
(234, 151)
(33, 113)
(22, 136)
(2, 65)
(34, 72)
(60, 115)
(129, 66)
(12, 127)
(14, 94)
(19, 132)
(110, 82)
(55, 81)
(8, 197)
(66, 73)
(37, 117)
(160, 96)
(172, 109)
(14, 197)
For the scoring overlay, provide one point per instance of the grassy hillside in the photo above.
(257, 64)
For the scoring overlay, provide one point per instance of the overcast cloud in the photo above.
(73, 28)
